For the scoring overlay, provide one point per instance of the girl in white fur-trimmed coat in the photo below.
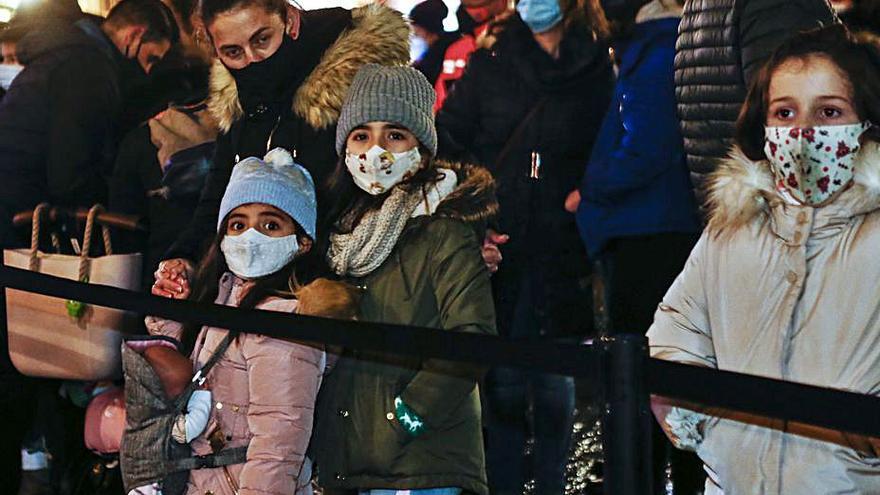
(785, 281)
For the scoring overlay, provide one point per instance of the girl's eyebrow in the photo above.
(781, 98)
(835, 97)
(271, 214)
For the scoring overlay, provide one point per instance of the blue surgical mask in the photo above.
(8, 72)
(540, 15)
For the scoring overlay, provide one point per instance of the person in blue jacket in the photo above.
(637, 214)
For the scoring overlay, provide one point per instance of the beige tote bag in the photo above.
(53, 338)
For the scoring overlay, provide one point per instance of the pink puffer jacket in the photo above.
(263, 393)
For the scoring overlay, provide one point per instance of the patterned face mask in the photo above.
(813, 164)
(378, 170)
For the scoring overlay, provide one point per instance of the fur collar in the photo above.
(473, 201)
(742, 190)
(378, 35)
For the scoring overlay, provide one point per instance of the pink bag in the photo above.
(105, 421)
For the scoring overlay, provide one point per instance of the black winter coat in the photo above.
(431, 63)
(57, 136)
(501, 85)
(721, 46)
(334, 44)
(137, 188)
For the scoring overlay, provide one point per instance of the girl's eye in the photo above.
(831, 113)
(262, 40)
(270, 226)
(236, 226)
(359, 136)
(784, 113)
(396, 136)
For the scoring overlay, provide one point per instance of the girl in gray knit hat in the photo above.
(409, 231)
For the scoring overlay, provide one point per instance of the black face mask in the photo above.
(132, 66)
(271, 80)
(133, 79)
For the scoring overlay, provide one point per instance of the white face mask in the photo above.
(8, 72)
(378, 170)
(813, 164)
(253, 254)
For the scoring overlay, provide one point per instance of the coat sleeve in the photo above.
(681, 331)
(127, 192)
(645, 129)
(765, 24)
(458, 121)
(203, 225)
(84, 104)
(464, 298)
(283, 378)
(163, 327)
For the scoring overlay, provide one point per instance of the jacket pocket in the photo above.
(380, 439)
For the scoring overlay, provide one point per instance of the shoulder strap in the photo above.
(199, 378)
(520, 129)
(226, 457)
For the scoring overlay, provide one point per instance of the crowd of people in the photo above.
(703, 172)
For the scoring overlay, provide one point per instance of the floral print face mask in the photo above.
(813, 164)
(378, 170)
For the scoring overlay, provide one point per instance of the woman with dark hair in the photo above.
(279, 81)
(408, 232)
(783, 282)
(528, 107)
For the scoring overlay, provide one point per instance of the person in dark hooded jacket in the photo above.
(161, 166)
(426, 19)
(57, 141)
(57, 122)
(528, 107)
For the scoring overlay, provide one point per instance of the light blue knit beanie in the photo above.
(275, 180)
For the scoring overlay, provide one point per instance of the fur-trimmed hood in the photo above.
(742, 190)
(473, 201)
(378, 35)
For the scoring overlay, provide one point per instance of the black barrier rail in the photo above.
(563, 359)
(819, 406)
(619, 366)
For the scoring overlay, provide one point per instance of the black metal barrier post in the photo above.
(627, 415)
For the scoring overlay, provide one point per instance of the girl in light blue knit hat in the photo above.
(263, 390)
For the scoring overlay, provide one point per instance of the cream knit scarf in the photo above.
(368, 245)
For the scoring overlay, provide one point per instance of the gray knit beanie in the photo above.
(275, 180)
(381, 93)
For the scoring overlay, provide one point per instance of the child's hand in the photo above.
(172, 279)
(193, 423)
(491, 253)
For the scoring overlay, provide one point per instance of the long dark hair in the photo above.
(206, 286)
(351, 203)
(586, 13)
(857, 56)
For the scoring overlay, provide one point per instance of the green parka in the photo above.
(435, 277)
